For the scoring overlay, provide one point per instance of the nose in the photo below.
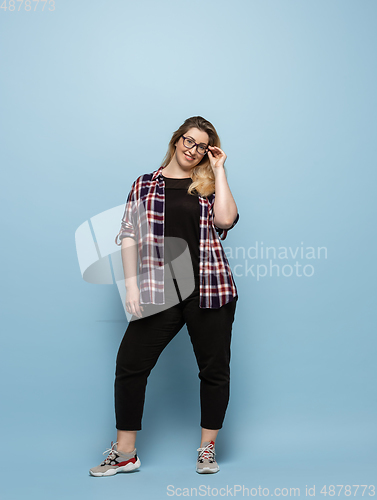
(191, 151)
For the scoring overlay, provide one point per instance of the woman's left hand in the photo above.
(216, 157)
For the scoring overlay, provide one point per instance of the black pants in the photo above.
(145, 338)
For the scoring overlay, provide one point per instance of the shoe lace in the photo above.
(207, 452)
(112, 453)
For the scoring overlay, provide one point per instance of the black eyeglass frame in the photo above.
(195, 144)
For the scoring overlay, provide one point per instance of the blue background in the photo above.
(90, 95)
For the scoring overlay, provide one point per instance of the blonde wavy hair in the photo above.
(203, 178)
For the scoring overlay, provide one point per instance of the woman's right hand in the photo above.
(133, 301)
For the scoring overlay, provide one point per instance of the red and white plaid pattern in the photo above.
(143, 220)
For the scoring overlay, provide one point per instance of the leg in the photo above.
(126, 441)
(210, 332)
(142, 344)
(208, 435)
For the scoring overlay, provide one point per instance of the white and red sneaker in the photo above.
(116, 461)
(206, 463)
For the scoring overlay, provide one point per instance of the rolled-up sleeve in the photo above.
(127, 229)
(223, 232)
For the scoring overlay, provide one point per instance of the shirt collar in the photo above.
(156, 173)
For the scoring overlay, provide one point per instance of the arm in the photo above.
(129, 252)
(129, 260)
(225, 208)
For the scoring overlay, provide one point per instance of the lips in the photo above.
(190, 158)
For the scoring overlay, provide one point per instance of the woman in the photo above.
(185, 204)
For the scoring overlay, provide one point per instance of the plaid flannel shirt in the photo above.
(143, 220)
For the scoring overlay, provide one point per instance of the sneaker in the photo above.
(206, 463)
(117, 461)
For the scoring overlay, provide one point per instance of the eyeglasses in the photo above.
(190, 143)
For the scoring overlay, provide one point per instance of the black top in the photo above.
(182, 220)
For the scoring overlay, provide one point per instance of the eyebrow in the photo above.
(200, 144)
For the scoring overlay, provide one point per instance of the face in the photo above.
(186, 157)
